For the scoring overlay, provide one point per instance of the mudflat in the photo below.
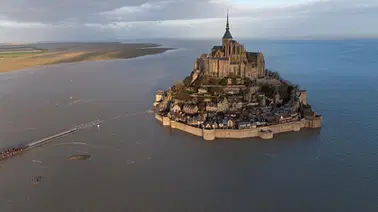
(16, 57)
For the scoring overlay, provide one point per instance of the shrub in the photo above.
(178, 86)
(187, 81)
(268, 90)
(182, 96)
(223, 82)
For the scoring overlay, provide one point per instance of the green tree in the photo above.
(268, 90)
(283, 90)
(223, 82)
(212, 81)
(187, 81)
(179, 86)
(247, 82)
(197, 83)
(182, 96)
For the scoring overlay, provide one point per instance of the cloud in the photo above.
(122, 19)
(22, 25)
(58, 10)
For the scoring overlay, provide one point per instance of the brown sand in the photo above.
(76, 53)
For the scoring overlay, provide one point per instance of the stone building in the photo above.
(159, 96)
(211, 107)
(190, 109)
(303, 97)
(176, 108)
(223, 105)
(230, 60)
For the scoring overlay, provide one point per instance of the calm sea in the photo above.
(138, 165)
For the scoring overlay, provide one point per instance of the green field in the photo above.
(20, 54)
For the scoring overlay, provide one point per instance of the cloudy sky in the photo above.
(80, 20)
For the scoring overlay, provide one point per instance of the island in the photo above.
(16, 56)
(230, 94)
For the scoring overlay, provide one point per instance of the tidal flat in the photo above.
(16, 57)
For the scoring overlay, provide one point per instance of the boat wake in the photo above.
(89, 124)
(128, 115)
(71, 143)
(80, 143)
(80, 101)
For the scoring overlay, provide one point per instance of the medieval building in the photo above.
(230, 60)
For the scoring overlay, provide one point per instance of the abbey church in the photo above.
(230, 60)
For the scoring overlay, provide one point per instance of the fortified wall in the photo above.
(262, 132)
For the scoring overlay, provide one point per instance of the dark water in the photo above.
(138, 165)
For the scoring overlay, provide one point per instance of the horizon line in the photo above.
(203, 38)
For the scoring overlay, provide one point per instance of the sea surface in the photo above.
(138, 165)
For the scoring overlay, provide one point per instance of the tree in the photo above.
(212, 81)
(247, 82)
(290, 89)
(179, 86)
(283, 90)
(276, 75)
(182, 96)
(187, 81)
(268, 72)
(223, 82)
(268, 90)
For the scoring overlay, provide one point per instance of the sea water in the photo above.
(138, 165)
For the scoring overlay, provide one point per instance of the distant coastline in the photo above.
(20, 56)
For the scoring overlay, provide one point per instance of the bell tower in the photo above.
(227, 39)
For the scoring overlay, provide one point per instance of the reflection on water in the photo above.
(138, 165)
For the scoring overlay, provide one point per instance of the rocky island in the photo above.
(230, 94)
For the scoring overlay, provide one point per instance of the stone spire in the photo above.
(227, 24)
(227, 34)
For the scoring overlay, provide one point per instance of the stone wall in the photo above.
(316, 122)
(303, 97)
(186, 128)
(244, 133)
(166, 121)
(251, 72)
(208, 135)
(158, 117)
(287, 127)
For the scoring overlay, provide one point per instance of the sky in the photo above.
(93, 20)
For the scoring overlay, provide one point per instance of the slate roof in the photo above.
(227, 35)
(217, 47)
(252, 56)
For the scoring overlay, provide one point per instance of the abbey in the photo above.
(230, 60)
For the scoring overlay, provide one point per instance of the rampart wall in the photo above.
(266, 132)
(186, 128)
(158, 117)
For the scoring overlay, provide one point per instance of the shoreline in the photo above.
(264, 132)
(57, 53)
